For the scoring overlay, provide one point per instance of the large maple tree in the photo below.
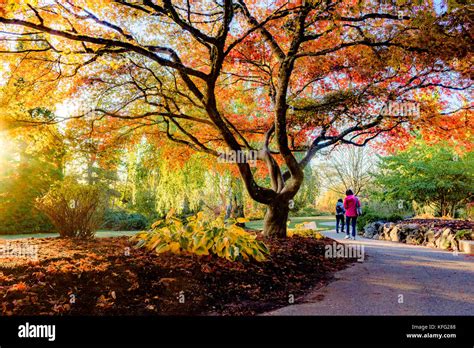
(283, 78)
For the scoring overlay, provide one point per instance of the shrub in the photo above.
(202, 236)
(121, 220)
(464, 235)
(75, 209)
(381, 211)
(466, 212)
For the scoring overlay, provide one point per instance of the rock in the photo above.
(395, 234)
(444, 244)
(384, 232)
(414, 238)
(454, 243)
(429, 237)
(437, 238)
(388, 226)
(409, 230)
(446, 239)
(376, 236)
(372, 229)
(412, 227)
(466, 246)
(446, 232)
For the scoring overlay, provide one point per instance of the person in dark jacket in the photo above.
(352, 206)
(340, 211)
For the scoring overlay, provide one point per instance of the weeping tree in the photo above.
(349, 168)
(278, 78)
(235, 207)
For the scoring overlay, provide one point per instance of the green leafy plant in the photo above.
(201, 235)
(121, 220)
(382, 211)
(464, 235)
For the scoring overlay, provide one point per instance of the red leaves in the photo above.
(20, 287)
(4, 278)
(111, 283)
(39, 276)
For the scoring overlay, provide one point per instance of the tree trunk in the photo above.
(276, 218)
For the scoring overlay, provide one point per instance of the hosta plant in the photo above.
(203, 235)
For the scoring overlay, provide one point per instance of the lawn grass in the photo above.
(321, 222)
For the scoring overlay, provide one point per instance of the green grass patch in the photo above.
(321, 222)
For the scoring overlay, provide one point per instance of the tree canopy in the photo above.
(278, 77)
(433, 175)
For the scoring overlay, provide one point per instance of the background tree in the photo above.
(432, 175)
(317, 70)
(349, 167)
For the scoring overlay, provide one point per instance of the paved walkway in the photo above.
(394, 279)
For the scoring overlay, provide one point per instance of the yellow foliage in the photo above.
(300, 231)
(203, 235)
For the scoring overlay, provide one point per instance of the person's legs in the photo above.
(348, 219)
(354, 224)
(340, 223)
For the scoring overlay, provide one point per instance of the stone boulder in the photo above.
(413, 233)
(395, 234)
(411, 227)
(447, 240)
(429, 237)
(373, 229)
(415, 238)
(384, 234)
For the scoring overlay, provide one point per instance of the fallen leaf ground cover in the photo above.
(107, 276)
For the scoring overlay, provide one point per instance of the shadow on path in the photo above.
(395, 279)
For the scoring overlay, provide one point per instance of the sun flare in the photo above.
(4, 146)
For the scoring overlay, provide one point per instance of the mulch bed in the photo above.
(107, 276)
(441, 224)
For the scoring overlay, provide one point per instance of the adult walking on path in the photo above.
(352, 207)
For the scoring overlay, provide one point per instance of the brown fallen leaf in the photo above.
(166, 281)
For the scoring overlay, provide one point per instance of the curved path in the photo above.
(394, 279)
